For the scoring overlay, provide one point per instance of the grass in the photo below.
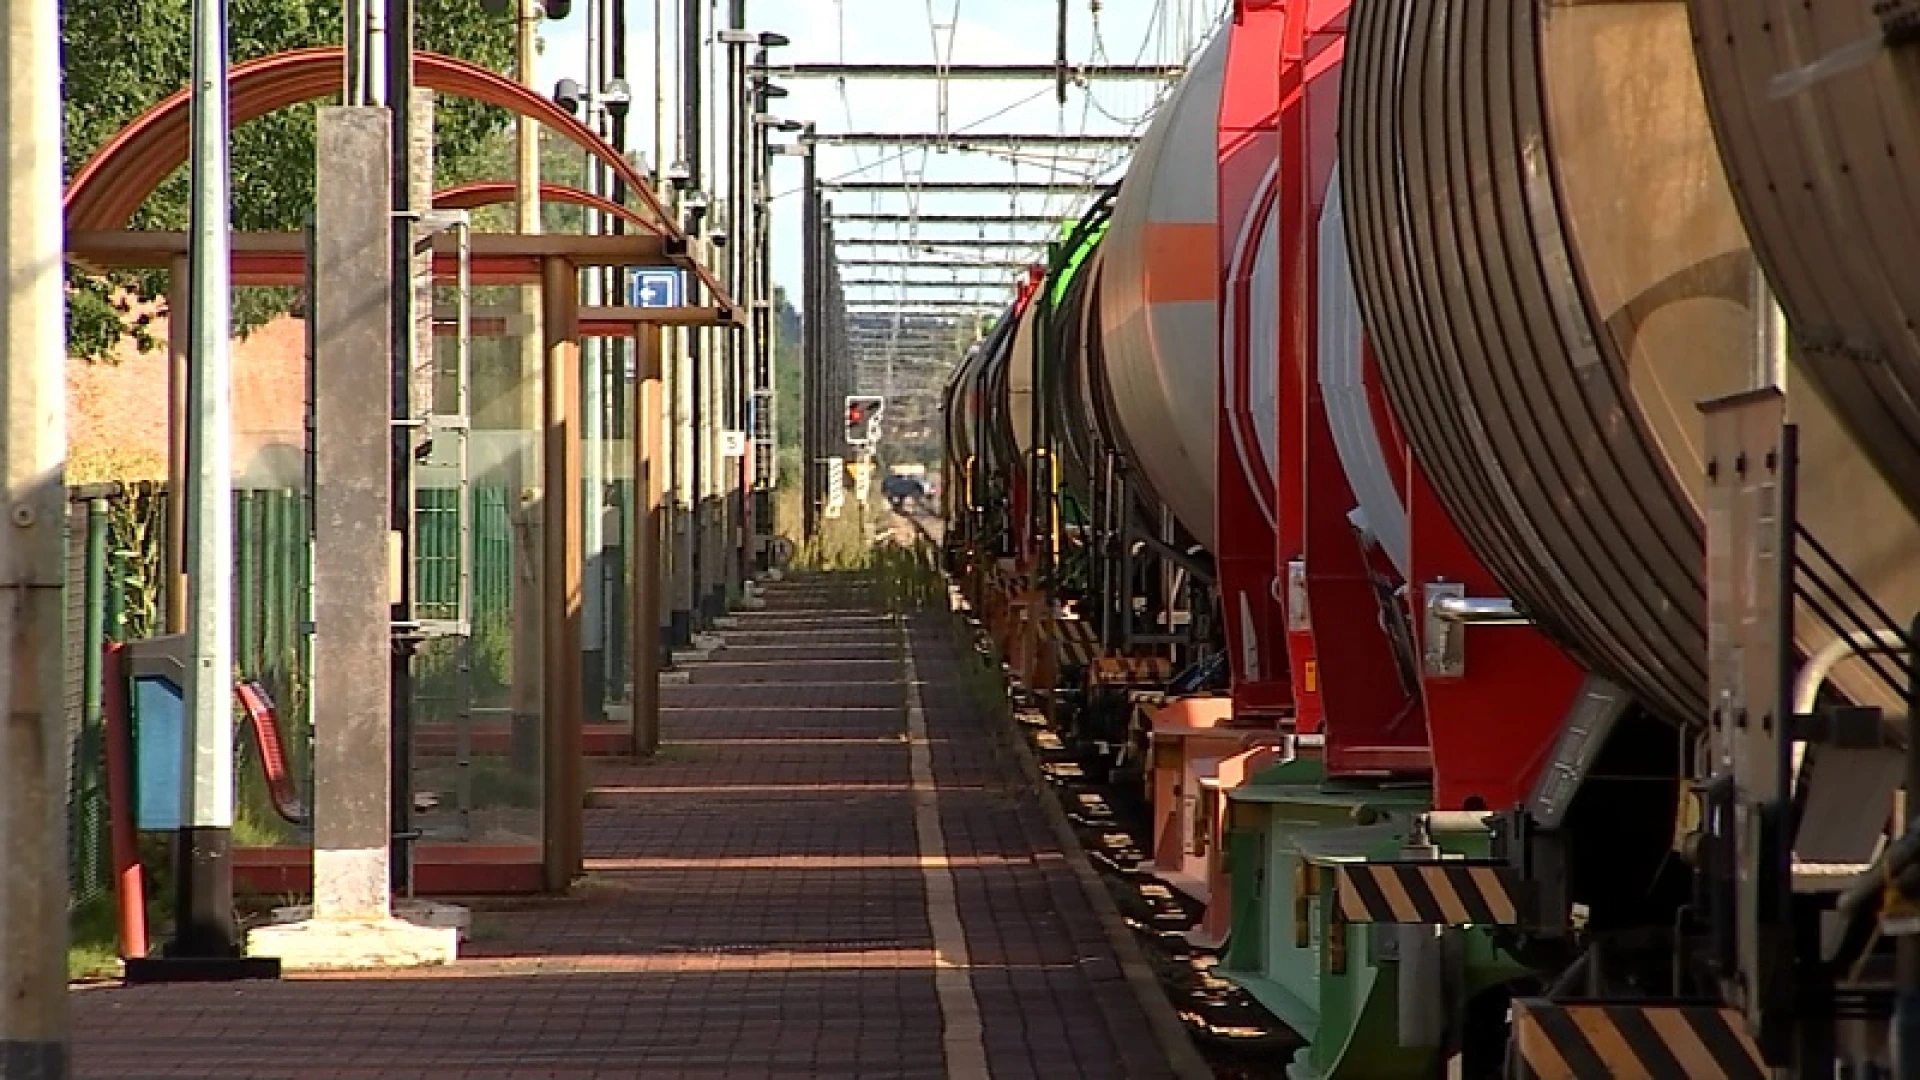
(93, 950)
(909, 577)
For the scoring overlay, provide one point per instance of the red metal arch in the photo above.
(105, 194)
(480, 193)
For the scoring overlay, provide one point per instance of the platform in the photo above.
(833, 868)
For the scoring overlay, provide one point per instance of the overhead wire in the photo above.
(1173, 33)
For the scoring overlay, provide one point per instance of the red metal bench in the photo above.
(264, 719)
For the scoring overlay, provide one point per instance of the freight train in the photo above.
(1464, 483)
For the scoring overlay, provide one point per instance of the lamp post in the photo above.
(206, 942)
(813, 447)
(766, 390)
(743, 358)
(600, 109)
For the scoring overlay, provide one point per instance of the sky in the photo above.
(908, 31)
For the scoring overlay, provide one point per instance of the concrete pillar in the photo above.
(352, 312)
(563, 555)
(353, 577)
(33, 454)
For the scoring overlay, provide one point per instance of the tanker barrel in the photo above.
(1544, 323)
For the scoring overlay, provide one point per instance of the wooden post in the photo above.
(174, 560)
(649, 538)
(562, 555)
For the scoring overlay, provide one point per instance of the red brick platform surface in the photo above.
(761, 901)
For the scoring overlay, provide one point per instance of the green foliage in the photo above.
(496, 157)
(786, 373)
(136, 524)
(490, 656)
(909, 575)
(120, 59)
(93, 947)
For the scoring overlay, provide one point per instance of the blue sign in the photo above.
(656, 287)
(160, 752)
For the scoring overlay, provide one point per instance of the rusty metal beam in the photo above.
(276, 258)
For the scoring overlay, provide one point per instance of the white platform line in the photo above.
(962, 1036)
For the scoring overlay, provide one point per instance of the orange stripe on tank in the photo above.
(1182, 263)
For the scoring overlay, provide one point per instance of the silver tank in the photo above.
(1159, 298)
(1554, 274)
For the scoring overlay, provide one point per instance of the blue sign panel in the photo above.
(160, 752)
(656, 287)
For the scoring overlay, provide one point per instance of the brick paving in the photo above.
(757, 904)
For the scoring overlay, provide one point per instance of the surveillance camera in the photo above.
(557, 9)
(617, 96)
(566, 94)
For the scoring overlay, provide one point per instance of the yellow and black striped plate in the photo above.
(1597, 1041)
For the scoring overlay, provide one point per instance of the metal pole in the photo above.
(693, 125)
(399, 64)
(673, 368)
(767, 445)
(527, 133)
(659, 94)
(738, 563)
(812, 449)
(204, 926)
(622, 357)
(354, 54)
(593, 403)
(649, 522)
(528, 660)
(33, 446)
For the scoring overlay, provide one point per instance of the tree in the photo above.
(121, 58)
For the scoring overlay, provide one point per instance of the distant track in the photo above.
(926, 526)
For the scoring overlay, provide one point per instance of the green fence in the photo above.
(116, 592)
(87, 628)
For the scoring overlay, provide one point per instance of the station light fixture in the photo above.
(615, 97)
(766, 39)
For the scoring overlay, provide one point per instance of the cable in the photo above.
(971, 125)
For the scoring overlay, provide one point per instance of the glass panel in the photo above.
(273, 575)
(477, 771)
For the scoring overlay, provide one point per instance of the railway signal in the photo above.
(863, 418)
